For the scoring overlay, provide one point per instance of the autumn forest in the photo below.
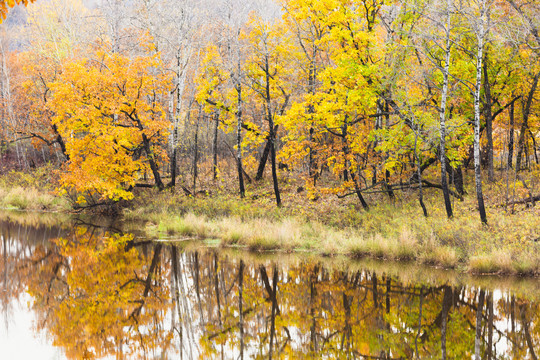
(270, 179)
(351, 96)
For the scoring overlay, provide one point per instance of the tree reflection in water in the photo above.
(99, 294)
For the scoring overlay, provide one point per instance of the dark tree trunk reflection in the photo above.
(446, 305)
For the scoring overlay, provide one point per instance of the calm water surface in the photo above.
(83, 292)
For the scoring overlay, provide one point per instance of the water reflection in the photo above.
(98, 294)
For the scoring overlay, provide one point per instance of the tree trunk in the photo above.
(511, 137)
(264, 156)
(239, 139)
(442, 119)
(358, 192)
(196, 152)
(264, 159)
(489, 123)
(180, 82)
(272, 134)
(60, 142)
(534, 146)
(214, 147)
(152, 161)
(477, 165)
(388, 186)
(312, 165)
(524, 124)
(274, 172)
(346, 152)
(173, 160)
(458, 180)
(418, 171)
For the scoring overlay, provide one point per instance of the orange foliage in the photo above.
(110, 113)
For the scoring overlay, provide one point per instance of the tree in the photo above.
(443, 21)
(222, 81)
(308, 59)
(525, 31)
(57, 33)
(345, 104)
(265, 71)
(110, 111)
(174, 29)
(481, 32)
(220, 88)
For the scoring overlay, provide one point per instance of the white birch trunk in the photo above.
(477, 164)
(442, 114)
(182, 57)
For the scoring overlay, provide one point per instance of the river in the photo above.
(77, 290)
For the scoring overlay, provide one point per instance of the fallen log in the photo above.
(529, 199)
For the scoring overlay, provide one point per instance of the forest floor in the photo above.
(393, 229)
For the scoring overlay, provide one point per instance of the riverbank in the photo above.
(506, 246)
(395, 230)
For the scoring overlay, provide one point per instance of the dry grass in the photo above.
(189, 225)
(496, 262)
(31, 190)
(259, 234)
(443, 256)
(30, 198)
(405, 243)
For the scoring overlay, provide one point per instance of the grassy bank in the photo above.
(410, 242)
(35, 190)
(391, 230)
